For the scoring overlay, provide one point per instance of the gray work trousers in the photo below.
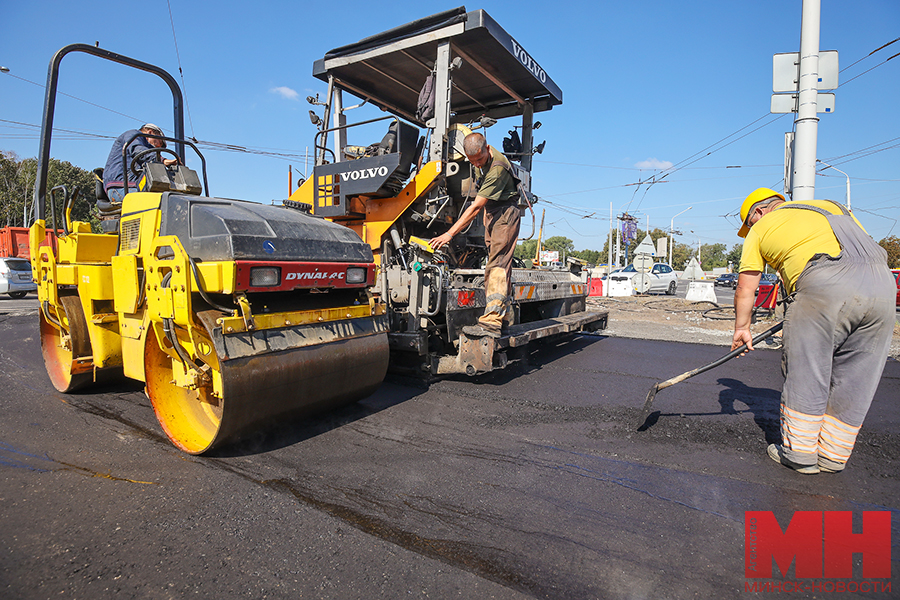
(837, 334)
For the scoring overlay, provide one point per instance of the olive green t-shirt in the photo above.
(497, 184)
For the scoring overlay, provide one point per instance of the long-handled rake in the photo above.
(678, 379)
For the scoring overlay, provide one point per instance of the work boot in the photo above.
(776, 453)
(830, 466)
(477, 331)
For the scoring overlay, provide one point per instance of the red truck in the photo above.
(15, 266)
(14, 242)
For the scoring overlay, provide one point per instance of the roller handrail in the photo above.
(40, 187)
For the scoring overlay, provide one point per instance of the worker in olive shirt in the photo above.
(498, 195)
(838, 322)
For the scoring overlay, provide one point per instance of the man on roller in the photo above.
(839, 320)
(497, 194)
(116, 170)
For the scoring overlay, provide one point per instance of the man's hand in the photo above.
(440, 241)
(741, 337)
(170, 161)
(470, 213)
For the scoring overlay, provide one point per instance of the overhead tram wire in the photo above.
(42, 86)
(837, 159)
(676, 167)
(882, 47)
(180, 72)
(207, 145)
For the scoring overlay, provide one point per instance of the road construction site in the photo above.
(525, 483)
(357, 393)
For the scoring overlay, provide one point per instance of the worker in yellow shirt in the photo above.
(839, 320)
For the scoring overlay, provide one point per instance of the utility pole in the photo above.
(807, 123)
(618, 242)
(845, 175)
(672, 234)
(609, 250)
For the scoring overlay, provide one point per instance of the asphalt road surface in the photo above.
(529, 483)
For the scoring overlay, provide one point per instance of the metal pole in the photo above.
(672, 234)
(618, 242)
(609, 251)
(320, 157)
(807, 123)
(845, 175)
(442, 85)
(340, 136)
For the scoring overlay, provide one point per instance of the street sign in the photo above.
(662, 247)
(788, 162)
(786, 71)
(787, 103)
(645, 247)
(643, 263)
(641, 283)
(548, 256)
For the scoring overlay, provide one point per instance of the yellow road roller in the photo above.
(235, 314)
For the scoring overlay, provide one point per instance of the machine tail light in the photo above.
(265, 276)
(356, 275)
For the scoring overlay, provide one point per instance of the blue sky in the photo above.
(645, 86)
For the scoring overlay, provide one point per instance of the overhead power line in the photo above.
(180, 72)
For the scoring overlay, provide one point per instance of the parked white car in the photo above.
(662, 278)
(15, 277)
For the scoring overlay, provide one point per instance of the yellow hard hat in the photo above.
(757, 195)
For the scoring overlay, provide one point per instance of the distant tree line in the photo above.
(17, 179)
(712, 256)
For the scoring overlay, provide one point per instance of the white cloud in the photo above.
(286, 92)
(654, 163)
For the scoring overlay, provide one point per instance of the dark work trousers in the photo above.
(501, 230)
(837, 334)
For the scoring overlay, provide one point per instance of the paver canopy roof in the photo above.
(496, 77)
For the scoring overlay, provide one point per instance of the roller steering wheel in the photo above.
(135, 160)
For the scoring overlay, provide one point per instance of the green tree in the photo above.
(892, 245)
(561, 244)
(17, 181)
(681, 254)
(14, 189)
(591, 256)
(734, 256)
(526, 250)
(712, 256)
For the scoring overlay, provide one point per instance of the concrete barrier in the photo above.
(700, 291)
(620, 285)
